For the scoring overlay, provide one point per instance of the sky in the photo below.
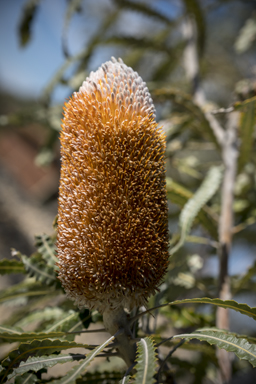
(26, 71)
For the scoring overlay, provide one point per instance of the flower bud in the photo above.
(112, 217)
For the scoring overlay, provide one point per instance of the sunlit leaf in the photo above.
(225, 340)
(179, 195)
(247, 36)
(205, 192)
(146, 362)
(38, 362)
(229, 304)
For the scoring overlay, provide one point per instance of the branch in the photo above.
(230, 156)
(191, 66)
(228, 144)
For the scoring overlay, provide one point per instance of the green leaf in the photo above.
(47, 247)
(229, 304)
(205, 192)
(146, 362)
(36, 348)
(27, 378)
(248, 121)
(12, 335)
(40, 316)
(69, 321)
(28, 15)
(184, 100)
(35, 363)
(28, 288)
(37, 267)
(246, 36)
(76, 372)
(225, 340)
(138, 42)
(11, 266)
(179, 195)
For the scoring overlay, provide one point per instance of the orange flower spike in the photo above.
(112, 219)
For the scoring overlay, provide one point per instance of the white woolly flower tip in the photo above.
(122, 85)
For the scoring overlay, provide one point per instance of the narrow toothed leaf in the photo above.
(146, 362)
(36, 363)
(35, 348)
(229, 304)
(47, 248)
(79, 369)
(225, 340)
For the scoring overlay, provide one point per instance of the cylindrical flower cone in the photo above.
(112, 217)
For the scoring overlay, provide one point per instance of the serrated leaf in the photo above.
(47, 248)
(12, 335)
(179, 195)
(28, 15)
(248, 120)
(204, 193)
(225, 340)
(36, 363)
(11, 266)
(35, 348)
(146, 362)
(37, 267)
(229, 304)
(76, 372)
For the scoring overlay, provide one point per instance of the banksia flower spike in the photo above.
(112, 219)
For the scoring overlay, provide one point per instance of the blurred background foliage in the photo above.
(152, 37)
